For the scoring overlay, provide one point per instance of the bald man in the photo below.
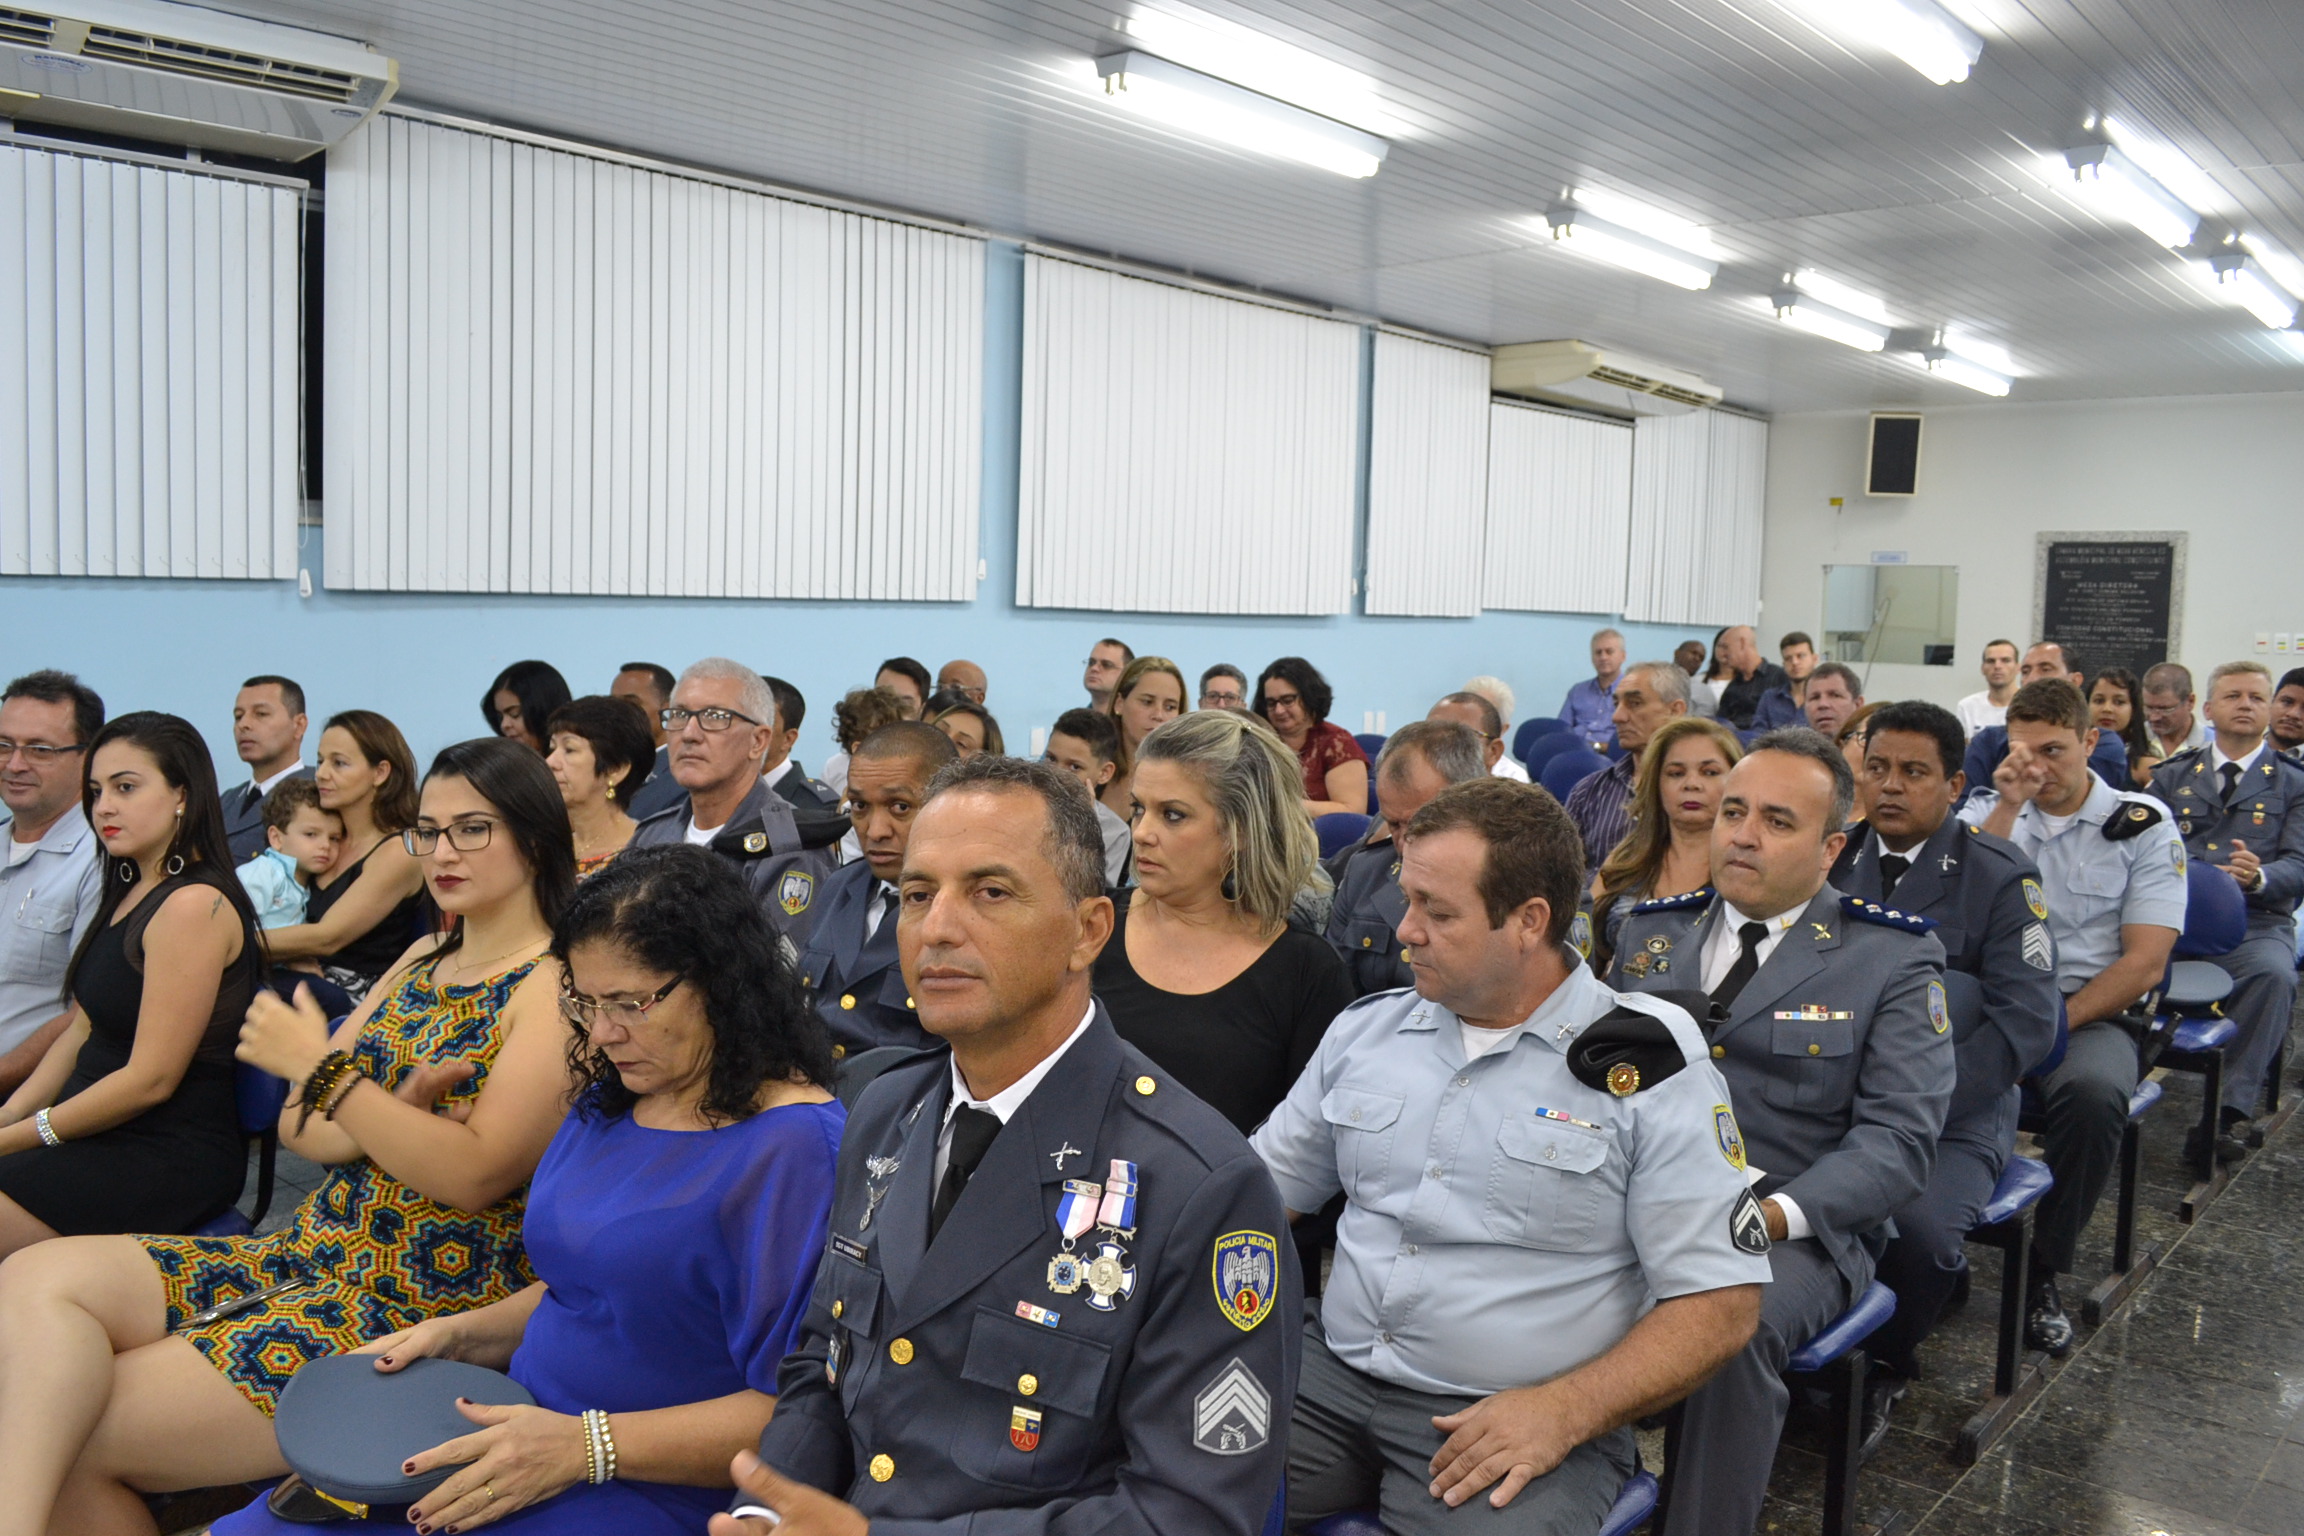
(1755, 675)
(964, 678)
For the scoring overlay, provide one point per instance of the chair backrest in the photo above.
(1339, 830)
(1570, 768)
(1370, 743)
(257, 1096)
(1545, 748)
(1525, 734)
(2215, 912)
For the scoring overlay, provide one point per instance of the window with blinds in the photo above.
(554, 371)
(150, 369)
(1559, 511)
(1427, 478)
(1699, 482)
(1183, 452)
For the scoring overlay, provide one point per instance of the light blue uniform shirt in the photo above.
(271, 883)
(1486, 1244)
(2096, 884)
(46, 905)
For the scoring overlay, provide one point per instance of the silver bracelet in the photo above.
(48, 1136)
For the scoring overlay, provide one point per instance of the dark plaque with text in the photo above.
(2110, 602)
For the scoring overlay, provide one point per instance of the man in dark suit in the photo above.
(1984, 895)
(784, 774)
(847, 938)
(1058, 1293)
(268, 726)
(648, 685)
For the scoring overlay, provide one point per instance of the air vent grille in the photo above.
(223, 64)
(25, 29)
(1647, 386)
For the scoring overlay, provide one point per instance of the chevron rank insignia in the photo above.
(1232, 1416)
(2038, 952)
(1748, 1224)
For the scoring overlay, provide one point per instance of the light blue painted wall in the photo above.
(423, 659)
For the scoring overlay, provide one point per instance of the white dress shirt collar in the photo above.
(1721, 950)
(265, 786)
(2217, 759)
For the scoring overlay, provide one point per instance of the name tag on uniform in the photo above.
(1812, 1013)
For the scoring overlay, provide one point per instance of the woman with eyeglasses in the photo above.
(675, 1224)
(128, 1124)
(1294, 700)
(366, 910)
(134, 1365)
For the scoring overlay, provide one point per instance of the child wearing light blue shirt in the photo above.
(303, 841)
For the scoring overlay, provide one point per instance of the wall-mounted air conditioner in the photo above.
(1579, 373)
(147, 69)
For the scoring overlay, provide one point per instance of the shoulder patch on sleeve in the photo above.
(1580, 934)
(1625, 1051)
(1695, 898)
(1862, 911)
(2133, 818)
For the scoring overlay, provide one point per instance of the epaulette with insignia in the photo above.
(2186, 755)
(2132, 817)
(1625, 1051)
(1695, 898)
(1886, 917)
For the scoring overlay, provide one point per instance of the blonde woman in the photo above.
(1150, 693)
(1668, 851)
(1204, 973)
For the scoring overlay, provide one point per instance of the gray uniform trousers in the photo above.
(2086, 1102)
(1730, 1424)
(2263, 972)
(1923, 1261)
(1359, 1443)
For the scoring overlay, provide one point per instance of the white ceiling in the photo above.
(1796, 149)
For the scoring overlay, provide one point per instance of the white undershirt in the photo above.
(700, 836)
(1479, 1042)
(19, 853)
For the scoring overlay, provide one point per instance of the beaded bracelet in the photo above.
(326, 1078)
(48, 1136)
(600, 1447)
(339, 1091)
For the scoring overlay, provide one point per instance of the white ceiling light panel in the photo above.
(1169, 94)
(1920, 32)
(1577, 228)
(1825, 307)
(2116, 186)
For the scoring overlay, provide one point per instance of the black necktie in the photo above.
(1747, 961)
(1892, 867)
(2231, 772)
(972, 1133)
(254, 798)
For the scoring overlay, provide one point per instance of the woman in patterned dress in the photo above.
(116, 1377)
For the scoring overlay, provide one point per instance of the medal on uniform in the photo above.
(1075, 1214)
(1109, 1274)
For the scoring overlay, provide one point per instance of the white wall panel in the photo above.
(1183, 452)
(554, 371)
(1427, 478)
(1699, 482)
(1559, 511)
(149, 370)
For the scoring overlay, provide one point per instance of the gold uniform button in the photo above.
(839, 1053)
(1814, 1049)
(908, 1003)
(1719, 1051)
(1145, 1085)
(1027, 1383)
(839, 1307)
(1403, 957)
(883, 1467)
(847, 1000)
(900, 1351)
(1367, 943)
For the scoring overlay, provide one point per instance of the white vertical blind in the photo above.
(553, 371)
(149, 370)
(1698, 484)
(1182, 452)
(1427, 478)
(1559, 511)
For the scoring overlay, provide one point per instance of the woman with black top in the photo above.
(128, 1124)
(366, 911)
(1204, 973)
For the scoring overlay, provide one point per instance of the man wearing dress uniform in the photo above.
(1420, 760)
(782, 770)
(268, 724)
(719, 727)
(2112, 872)
(2239, 806)
(1547, 1229)
(1913, 856)
(847, 937)
(1828, 1019)
(1058, 1294)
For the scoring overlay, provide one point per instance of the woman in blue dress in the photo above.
(674, 1224)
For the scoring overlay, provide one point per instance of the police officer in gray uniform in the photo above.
(1828, 1019)
(2239, 805)
(1912, 855)
(1058, 1294)
(719, 727)
(2112, 871)
(1547, 1229)
(1418, 761)
(847, 937)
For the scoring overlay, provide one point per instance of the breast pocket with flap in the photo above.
(1546, 1183)
(1364, 1124)
(1811, 1063)
(1028, 1369)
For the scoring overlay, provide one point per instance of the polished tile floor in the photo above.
(2179, 1417)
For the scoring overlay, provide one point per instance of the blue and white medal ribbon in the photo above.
(1076, 1211)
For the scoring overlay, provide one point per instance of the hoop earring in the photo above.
(127, 871)
(175, 864)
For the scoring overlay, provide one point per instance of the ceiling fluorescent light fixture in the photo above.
(1618, 245)
(1804, 311)
(1950, 366)
(2241, 281)
(2118, 185)
(1186, 99)
(1246, 57)
(1920, 32)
